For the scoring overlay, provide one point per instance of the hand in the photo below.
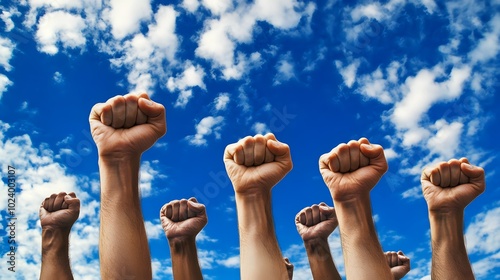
(256, 164)
(183, 218)
(352, 169)
(399, 264)
(59, 211)
(127, 125)
(452, 185)
(317, 221)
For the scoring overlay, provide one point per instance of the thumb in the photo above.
(72, 202)
(195, 206)
(150, 108)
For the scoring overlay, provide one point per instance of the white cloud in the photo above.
(260, 128)
(485, 266)
(7, 15)
(348, 73)
(191, 77)
(207, 126)
(482, 233)
(6, 52)
(60, 27)
(147, 175)
(190, 5)
(217, 7)
(207, 258)
(231, 262)
(489, 46)
(446, 140)
(203, 237)
(58, 77)
(126, 16)
(372, 11)
(221, 101)
(285, 69)
(413, 193)
(153, 230)
(4, 84)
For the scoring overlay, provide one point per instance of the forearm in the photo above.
(55, 258)
(123, 243)
(258, 244)
(320, 260)
(184, 257)
(449, 255)
(359, 240)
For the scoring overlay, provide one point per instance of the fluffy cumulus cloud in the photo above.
(4, 84)
(348, 72)
(40, 177)
(221, 101)
(191, 77)
(126, 16)
(6, 53)
(207, 126)
(62, 28)
(285, 69)
(6, 16)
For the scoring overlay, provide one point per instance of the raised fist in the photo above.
(59, 211)
(127, 125)
(452, 185)
(399, 264)
(183, 218)
(352, 169)
(317, 221)
(256, 164)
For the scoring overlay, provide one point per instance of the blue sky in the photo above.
(417, 77)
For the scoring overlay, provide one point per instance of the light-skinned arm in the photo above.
(399, 264)
(315, 224)
(350, 171)
(448, 188)
(123, 128)
(255, 165)
(57, 214)
(182, 220)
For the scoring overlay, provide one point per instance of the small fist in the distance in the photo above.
(352, 169)
(399, 264)
(316, 222)
(452, 185)
(59, 211)
(256, 164)
(183, 218)
(127, 125)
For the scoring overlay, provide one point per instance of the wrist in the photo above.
(55, 239)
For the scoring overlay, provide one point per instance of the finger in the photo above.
(156, 115)
(118, 105)
(302, 217)
(50, 203)
(248, 148)
(195, 208)
(309, 217)
(234, 152)
(259, 149)
(354, 154)
(175, 210)
(316, 217)
(444, 171)
(193, 199)
(363, 160)
(435, 177)
(344, 158)
(169, 211)
(183, 210)
(327, 212)
(101, 112)
(72, 203)
(278, 149)
(163, 210)
(394, 259)
(46, 203)
(131, 109)
(58, 201)
(454, 172)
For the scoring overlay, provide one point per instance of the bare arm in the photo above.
(314, 225)
(57, 215)
(123, 128)
(350, 171)
(448, 188)
(182, 220)
(255, 165)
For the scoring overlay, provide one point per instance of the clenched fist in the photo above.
(399, 264)
(183, 218)
(352, 169)
(452, 185)
(317, 221)
(59, 211)
(256, 164)
(127, 125)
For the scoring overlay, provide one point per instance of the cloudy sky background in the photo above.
(417, 76)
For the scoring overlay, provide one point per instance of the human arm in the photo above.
(182, 220)
(448, 188)
(399, 264)
(123, 128)
(314, 225)
(255, 165)
(350, 171)
(57, 214)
